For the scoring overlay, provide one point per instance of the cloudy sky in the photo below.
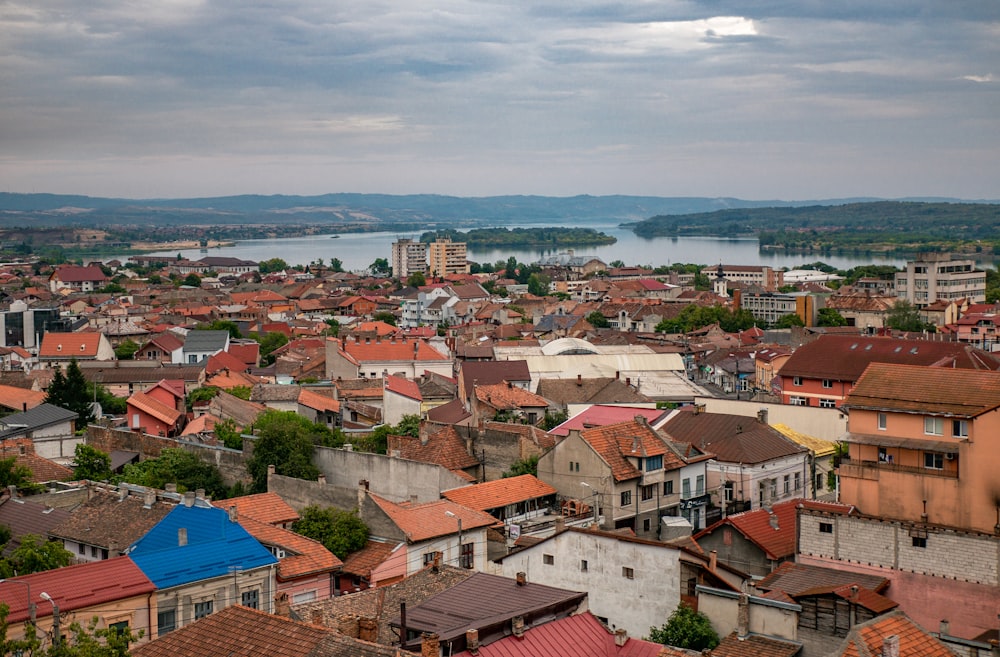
(798, 99)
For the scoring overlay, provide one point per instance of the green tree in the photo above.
(553, 420)
(272, 265)
(341, 532)
(686, 628)
(222, 325)
(91, 463)
(416, 279)
(830, 317)
(522, 467)
(174, 465)
(615, 264)
(71, 391)
(334, 326)
(904, 316)
(378, 441)
(126, 350)
(34, 555)
(285, 440)
(385, 316)
(269, 343)
(597, 320)
(380, 266)
(229, 434)
(12, 474)
(192, 280)
(788, 321)
(336, 265)
(538, 284)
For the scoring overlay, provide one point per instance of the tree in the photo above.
(126, 350)
(12, 474)
(174, 465)
(597, 320)
(285, 440)
(788, 321)
(34, 555)
(334, 326)
(192, 280)
(341, 532)
(385, 316)
(378, 441)
(553, 420)
(380, 266)
(269, 343)
(91, 463)
(72, 393)
(272, 265)
(538, 284)
(229, 433)
(904, 316)
(336, 265)
(522, 467)
(616, 264)
(416, 279)
(686, 628)
(830, 317)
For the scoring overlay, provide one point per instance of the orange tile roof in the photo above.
(257, 296)
(20, 399)
(755, 645)
(263, 507)
(226, 380)
(69, 345)
(380, 328)
(420, 522)
(154, 407)
(318, 402)
(445, 448)
(376, 351)
(868, 638)
(201, 424)
(371, 556)
(224, 361)
(615, 443)
(915, 389)
(403, 386)
(304, 556)
(501, 492)
(775, 536)
(506, 396)
(43, 470)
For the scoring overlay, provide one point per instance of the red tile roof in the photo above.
(445, 448)
(377, 351)
(76, 587)
(597, 416)
(20, 399)
(506, 396)
(70, 345)
(263, 507)
(224, 361)
(318, 402)
(77, 274)
(617, 443)
(773, 532)
(420, 522)
(932, 390)
(755, 645)
(403, 386)
(371, 556)
(501, 492)
(42, 469)
(869, 638)
(154, 407)
(304, 556)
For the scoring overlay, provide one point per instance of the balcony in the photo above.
(872, 469)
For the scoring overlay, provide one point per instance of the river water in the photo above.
(358, 250)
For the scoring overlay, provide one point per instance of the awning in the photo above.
(943, 446)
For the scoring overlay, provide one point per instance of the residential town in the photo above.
(530, 460)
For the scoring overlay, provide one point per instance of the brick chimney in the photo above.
(316, 616)
(890, 646)
(362, 491)
(281, 606)
(347, 624)
(521, 579)
(713, 560)
(579, 380)
(517, 626)
(234, 514)
(368, 630)
(621, 637)
(430, 645)
(472, 641)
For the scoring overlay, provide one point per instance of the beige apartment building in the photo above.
(447, 257)
(936, 277)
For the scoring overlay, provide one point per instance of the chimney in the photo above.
(281, 606)
(149, 499)
(437, 562)
(122, 494)
(316, 616)
(762, 416)
(113, 550)
(182, 536)
(234, 515)
(621, 637)
(368, 630)
(347, 624)
(628, 380)
(472, 641)
(199, 493)
(430, 646)
(743, 617)
(362, 491)
(321, 480)
(170, 488)
(522, 579)
(641, 420)
(890, 646)
(579, 379)
(517, 626)
(560, 525)
(713, 560)
(945, 626)
(189, 499)
(772, 519)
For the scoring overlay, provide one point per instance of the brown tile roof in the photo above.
(616, 443)
(43, 469)
(445, 448)
(420, 522)
(599, 390)
(316, 401)
(538, 436)
(494, 494)
(794, 579)
(732, 438)
(304, 556)
(370, 556)
(78, 274)
(105, 517)
(451, 413)
(26, 517)
(845, 357)
(20, 399)
(262, 507)
(490, 372)
(926, 390)
(754, 645)
(868, 639)
(506, 396)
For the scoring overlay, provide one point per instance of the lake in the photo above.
(358, 250)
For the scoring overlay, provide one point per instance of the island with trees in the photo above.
(550, 236)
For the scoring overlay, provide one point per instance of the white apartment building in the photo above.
(408, 257)
(936, 277)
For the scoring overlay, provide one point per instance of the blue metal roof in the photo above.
(215, 546)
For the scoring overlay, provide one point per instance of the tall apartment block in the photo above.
(408, 257)
(447, 257)
(936, 277)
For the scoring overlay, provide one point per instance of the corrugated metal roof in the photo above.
(43, 415)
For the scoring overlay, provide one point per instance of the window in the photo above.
(654, 463)
(774, 488)
(577, 466)
(960, 428)
(668, 487)
(430, 556)
(571, 466)
(626, 498)
(306, 596)
(628, 573)
(933, 426)
(699, 485)
(798, 401)
(919, 541)
(828, 403)
(881, 421)
(166, 621)
(796, 380)
(933, 460)
(584, 566)
(686, 488)
(82, 549)
(787, 484)
(466, 555)
(645, 525)
(648, 492)
(119, 628)
(729, 490)
(548, 559)
(95, 551)
(798, 481)
(202, 609)
(820, 482)
(827, 383)
(250, 599)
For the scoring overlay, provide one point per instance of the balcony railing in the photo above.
(871, 469)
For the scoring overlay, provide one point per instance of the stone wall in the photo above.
(395, 479)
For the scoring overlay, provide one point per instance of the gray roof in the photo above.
(154, 373)
(43, 415)
(275, 392)
(26, 517)
(206, 341)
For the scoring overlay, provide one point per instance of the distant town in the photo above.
(440, 457)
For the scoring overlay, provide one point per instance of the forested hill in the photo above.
(881, 222)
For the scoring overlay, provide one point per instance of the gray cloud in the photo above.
(206, 97)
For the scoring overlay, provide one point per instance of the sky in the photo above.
(772, 99)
